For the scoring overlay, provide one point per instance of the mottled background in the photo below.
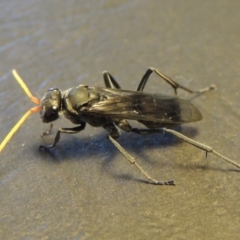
(85, 189)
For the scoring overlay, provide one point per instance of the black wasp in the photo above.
(111, 107)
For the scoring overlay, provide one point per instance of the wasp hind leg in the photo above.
(199, 145)
(172, 83)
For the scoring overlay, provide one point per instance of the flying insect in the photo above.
(111, 107)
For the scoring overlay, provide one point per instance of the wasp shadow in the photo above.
(75, 146)
(99, 148)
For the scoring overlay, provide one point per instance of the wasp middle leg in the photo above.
(113, 134)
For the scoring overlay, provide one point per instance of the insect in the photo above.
(111, 107)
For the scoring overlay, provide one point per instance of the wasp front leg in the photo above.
(64, 130)
(48, 131)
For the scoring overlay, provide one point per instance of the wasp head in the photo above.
(50, 105)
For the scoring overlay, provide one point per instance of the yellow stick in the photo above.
(25, 88)
(26, 115)
(16, 127)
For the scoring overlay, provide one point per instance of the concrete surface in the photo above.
(85, 189)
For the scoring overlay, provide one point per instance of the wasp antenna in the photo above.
(25, 88)
(17, 126)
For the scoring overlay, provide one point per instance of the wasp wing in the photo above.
(141, 106)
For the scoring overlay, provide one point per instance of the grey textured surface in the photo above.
(85, 189)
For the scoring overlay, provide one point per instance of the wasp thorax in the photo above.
(50, 105)
(78, 96)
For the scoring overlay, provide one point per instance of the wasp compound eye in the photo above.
(50, 105)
